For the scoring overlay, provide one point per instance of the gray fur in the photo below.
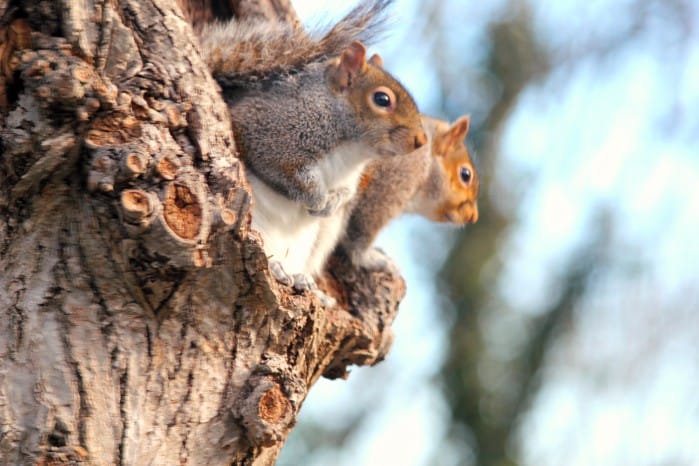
(303, 139)
(287, 126)
(435, 184)
(395, 182)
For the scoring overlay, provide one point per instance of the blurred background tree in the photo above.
(562, 328)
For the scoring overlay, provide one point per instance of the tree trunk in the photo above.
(140, 324)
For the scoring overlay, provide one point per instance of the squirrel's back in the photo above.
(252, 50)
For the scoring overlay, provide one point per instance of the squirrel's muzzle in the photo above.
(464, 213)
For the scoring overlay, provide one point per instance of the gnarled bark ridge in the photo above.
(139, 322)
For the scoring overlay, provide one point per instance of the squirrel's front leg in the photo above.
(332, 201)
(319, 200)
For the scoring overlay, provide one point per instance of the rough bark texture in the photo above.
(199, 12)
(139, 323)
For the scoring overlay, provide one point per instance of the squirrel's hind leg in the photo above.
(304, 282)
(325, 299)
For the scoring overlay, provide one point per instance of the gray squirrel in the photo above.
(438, 182)
(308, 116)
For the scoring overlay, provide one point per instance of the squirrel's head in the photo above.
(458, 200)
(385, 110)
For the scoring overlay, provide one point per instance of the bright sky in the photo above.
(623, 386)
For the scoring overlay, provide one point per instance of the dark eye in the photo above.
(465, 174)
(382, 99)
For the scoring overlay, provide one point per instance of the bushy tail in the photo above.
(246, 51)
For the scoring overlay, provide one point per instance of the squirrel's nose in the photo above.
(420, 140)
(474, 215)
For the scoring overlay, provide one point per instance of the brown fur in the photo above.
(455, 202)
(365, 180)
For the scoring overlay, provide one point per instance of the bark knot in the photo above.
(273, 405)
(182, 211)
(136, 204)
(167, 168)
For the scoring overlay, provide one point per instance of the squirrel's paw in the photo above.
(301, 282)
(375, 259)
(334, 199)
(304, 282)
(325, 300)
(279, 274)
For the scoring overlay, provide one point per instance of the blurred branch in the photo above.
(516, 60)
(590, 260)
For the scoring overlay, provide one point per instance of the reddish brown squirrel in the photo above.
(440, 183)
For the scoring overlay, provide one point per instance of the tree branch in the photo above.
(140, 322)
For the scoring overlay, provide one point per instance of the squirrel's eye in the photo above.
(465, 174)
(382, 99)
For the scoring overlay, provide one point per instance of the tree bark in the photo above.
(140, 324)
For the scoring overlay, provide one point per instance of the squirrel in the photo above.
(307, 117)
(440, 184)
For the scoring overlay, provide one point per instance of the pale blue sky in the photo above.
(619, 131)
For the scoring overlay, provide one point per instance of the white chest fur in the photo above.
(287, 230)
(347, 163)
(300, 241)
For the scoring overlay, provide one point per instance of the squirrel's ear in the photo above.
(376, 60)
(453, 136)
(352, 62)
(459, 129)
